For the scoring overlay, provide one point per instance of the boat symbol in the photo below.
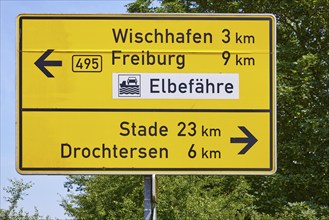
(130, 83)
(130, 87)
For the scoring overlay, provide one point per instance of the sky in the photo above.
(47, 191)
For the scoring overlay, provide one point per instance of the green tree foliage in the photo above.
(179, 197)
(204, 197)
(300, 188)
(104, 197)
(17, 191)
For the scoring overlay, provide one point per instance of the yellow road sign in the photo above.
(142, 94)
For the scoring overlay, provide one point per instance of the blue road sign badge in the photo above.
(129, 85)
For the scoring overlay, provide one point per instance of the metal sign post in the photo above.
(150, 197)
(147, 197)
(154, 196)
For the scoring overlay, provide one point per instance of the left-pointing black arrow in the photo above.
(41, 63)
(250, 140)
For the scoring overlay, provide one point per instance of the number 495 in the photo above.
(87, 63)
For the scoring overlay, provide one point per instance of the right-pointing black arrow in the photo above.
(250, 140)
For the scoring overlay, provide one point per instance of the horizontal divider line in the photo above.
(137, 110)
(140, 169)
(228, 17)
(98, 52)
